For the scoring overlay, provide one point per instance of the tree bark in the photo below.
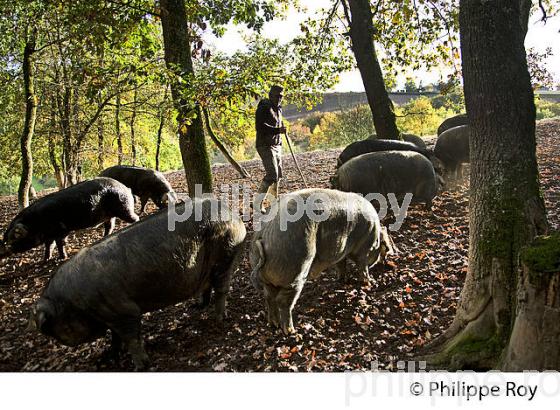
(100, 141)
(132, 130)
(506, 207)
(69, 152)
(120, 153)
(178, 59)
(58, 174)
(535, 338)
(29, 123)
(159, 136)
(242, 171)
(360, 20)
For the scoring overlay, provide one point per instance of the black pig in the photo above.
(51, 218)
(144, 183)
(142, 268)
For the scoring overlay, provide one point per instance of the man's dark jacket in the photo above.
(268, 121)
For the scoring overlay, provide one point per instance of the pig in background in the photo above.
(51, 218)
(397, 172)
(282, 260)
(373, 145)
(145, 183)
(452, 149)
(452, 122)
(141, 268)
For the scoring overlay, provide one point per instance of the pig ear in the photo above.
(20, 231)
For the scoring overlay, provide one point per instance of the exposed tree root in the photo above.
(473, 346)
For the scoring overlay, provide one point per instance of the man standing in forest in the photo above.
(269, 125)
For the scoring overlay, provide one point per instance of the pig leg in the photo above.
(60, 242)
(114, 350)
(109, 226)
(220, 281)
(456, 168)
(143, 202)
(48, 250)
(286, 299)
(128, 330)
(342, 273)
(270, 294)
(361, 261)
(204, 299)
(116, 345)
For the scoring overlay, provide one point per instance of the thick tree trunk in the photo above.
(506, 208)
(191, 130)
(28, 125)
(118, 133)
(132, 130)
(361, 33)
(535, 338)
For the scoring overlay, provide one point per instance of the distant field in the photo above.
(339, 101)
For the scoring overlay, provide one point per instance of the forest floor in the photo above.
(412, 300)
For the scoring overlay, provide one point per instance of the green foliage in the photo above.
(419, 116)
(547, 109)
(341, 128)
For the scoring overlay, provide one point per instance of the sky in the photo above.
(540, 36)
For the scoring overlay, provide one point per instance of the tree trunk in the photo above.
(360, 20)
(159, 135)
(28, 125)
(506, 208)
(100, 141)
(191, 130)
(68, 150)
(58, 174)
(132, 131)
(118, 130)
(535, 338)
(242, 171)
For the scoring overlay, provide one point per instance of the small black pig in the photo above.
(51, 218)
(145, 183)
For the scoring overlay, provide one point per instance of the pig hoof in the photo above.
(220, 318)
(141, 364)
(199, 307)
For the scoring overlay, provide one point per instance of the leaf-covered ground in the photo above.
(339, 327)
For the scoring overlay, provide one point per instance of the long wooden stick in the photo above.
(295, 160)
(242, 171)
